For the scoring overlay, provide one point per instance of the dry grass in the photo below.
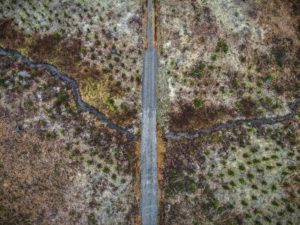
(161, 152)
(137, 186)
(9, 36)
(190, 118)
(35, 175)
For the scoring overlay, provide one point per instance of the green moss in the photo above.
(109, 101)
(198, 103)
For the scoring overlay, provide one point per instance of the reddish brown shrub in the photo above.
(189, 118)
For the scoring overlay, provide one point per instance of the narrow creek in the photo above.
(128, 130)
(75, 89)
(235, 123)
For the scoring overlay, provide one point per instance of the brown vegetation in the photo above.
(9, 36)
(34, 177)
(190, 118)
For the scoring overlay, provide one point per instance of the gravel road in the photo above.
(149, 183)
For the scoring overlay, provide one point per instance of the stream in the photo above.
(75, 89)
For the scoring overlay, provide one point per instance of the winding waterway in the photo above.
(75, 89)
(239, 122)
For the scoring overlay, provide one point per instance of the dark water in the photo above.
(75, 88)
(234, 123)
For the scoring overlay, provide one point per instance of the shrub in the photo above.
(91, 219)
(198, 70)
(2, 82)
(242, 181)
(222, 46)
(214, 57)
(198, 103)
(89, 162)
(114, 176)
(61, 98)
(51, 135)
(242, 167)
(230, 172)
(106, 170)
(280, 56)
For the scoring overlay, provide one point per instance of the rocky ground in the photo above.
(228, 60)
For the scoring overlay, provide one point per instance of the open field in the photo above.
(99, 43)
(59, 164)
(226, 60)
(227, 112)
